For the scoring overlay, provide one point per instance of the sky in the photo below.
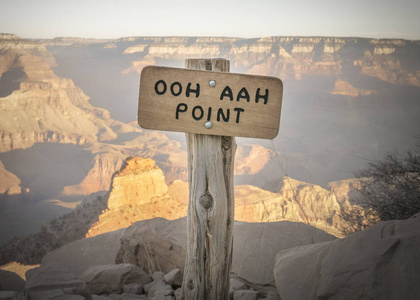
(106, 19)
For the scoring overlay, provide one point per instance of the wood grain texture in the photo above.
(240, 105)
(210, 209)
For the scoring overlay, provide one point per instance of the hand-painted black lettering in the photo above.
(258, 96)
(190, 90)
(180, 108)
(209, 114)
(173, 89)
(238, 113)
(162, 89)
(222, 114)
(194, 115)
(227, 92)
(243, 94)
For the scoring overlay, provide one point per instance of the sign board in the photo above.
(205, 102)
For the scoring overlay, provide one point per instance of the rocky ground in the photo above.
(281, 260)
(116, 282)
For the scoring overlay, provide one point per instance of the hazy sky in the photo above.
(236, 18)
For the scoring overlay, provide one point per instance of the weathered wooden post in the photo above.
(212, 106)
(210, 208)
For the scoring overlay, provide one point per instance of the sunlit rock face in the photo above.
(381, 262)
(139, 192)
(137, 183)
(296, 201)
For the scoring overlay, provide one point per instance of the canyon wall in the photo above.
(289, 57)
(345, 100)
(44, 107)
(139, 193)
(39, 107)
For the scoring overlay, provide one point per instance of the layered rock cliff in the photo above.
(139, 192)
(288, 57)
(296, 201)
(44, 107)
(139, 182)
(344, 98)
(37, 106)
(333, 109)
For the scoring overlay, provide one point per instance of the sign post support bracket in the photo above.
(210, 215)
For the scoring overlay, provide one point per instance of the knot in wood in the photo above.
(190, 285)
(206, 200)
(226, 144)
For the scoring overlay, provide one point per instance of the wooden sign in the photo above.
(205, 102)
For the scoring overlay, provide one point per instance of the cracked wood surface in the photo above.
(210, 208)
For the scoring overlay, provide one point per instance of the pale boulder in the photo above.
(299, 265)
(154, 245)
(108, 279)
(160, 287)
(255, 246)
(133, 288)
(52, 279)
(82, 254)
(235, 285)
(245, 295)
(174, 278)
(381, 262)
(157, 275)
